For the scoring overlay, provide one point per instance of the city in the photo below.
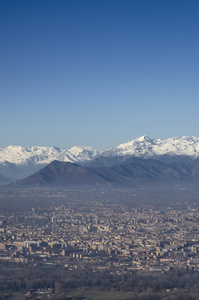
(101, 236)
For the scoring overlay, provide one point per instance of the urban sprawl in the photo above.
(102, 236)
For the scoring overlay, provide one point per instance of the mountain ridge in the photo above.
(146, 147)
(17, 162)
(139, 147)
(127, 175)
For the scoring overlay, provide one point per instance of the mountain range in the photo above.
(179, 153)
(130, 174)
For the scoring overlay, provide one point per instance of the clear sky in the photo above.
(97, 72)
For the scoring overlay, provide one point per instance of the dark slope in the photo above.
(136, 172)
(62, 174)
(142, 171)
(195, 168)
(109, 161)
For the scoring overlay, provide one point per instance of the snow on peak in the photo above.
(82, 153)
(140, 147)
(147, 147)
(44, 155)
(143, 138)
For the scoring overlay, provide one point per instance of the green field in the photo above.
(109, 295)
(102, 295)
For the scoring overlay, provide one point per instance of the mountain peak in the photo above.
(17, 161)
(44, 155)
(146, 147)
(142, 147)
(143, 138)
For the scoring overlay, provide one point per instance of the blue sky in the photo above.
(97, 72)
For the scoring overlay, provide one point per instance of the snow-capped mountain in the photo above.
(17, 162)
(146, 147)
(44, 155)
(143, 146)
